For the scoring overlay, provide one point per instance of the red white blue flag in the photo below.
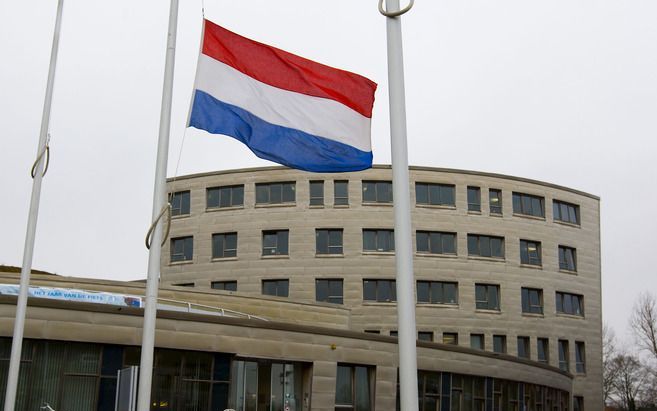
(285, 108)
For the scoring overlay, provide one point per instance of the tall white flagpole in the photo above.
(160, 205)
(402, 206)
(38, 170)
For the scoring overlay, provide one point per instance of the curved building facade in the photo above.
(502, 264)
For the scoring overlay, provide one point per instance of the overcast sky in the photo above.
(559, 91)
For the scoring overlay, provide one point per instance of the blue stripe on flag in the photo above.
(282, 145)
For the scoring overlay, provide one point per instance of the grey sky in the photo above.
(560, 91)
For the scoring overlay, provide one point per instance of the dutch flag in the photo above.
(285, 108)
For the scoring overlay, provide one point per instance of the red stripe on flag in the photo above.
(288, 71)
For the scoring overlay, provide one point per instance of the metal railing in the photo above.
(184, 306)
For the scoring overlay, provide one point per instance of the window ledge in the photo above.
(213, 209)
(491, 259)
(316, 206)
(474, 212)
(219, 259)
(179, 216)
(329, 255)
(289, 204)
(378, 253)
(561, 270)
(573, 316)
(532, 266)
(499, 215)
(340, 205)
(436, 206)
(181, 262)
(566, 223)
(438, 305)
(531, 217)
(433, 255)
(276, 257)
(533, 315)
(380, 303)
(371, 203)
(484, 311)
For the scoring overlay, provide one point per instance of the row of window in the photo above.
(378, 192)
(330, 241)
(487, 296)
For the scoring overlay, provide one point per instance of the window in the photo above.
(278, 288)
(435, 242)
(353, 388)
(378, 240)
(474, 198)
(184, 285)
(437, 292)
(485, 246)
(179, 203)
(425, 335)
(328, 291)
(380, 290)
(580, 357)
(228, 196)
(477, 341)
(275, 193)
(372, 331)
(394, 333)
(499, 344)
(317, 193)
(530, 252)
(528, 204)
(435, 194)
(567, 258)
(572, 304)
(451, 338)
(495, 201)
(275, 242)
(182, 249)
(532, 300)
(224, 245)
(377, 191)
(523, 347)
(563, 355)
(565, 212)
(341, 192)
(543, 350)
(224, 285)
(578, 403)
(328, 241)
(429, 390)
(487, 297)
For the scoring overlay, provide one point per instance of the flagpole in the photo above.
(160, 205)
(402, 209)
(38, 170)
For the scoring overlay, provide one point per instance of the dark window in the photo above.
(425, 335)
(572, 304)
(435, 242)
(184, 285)
(451, 338)
(499, 344)
(278, 288)
(179, 203)
(317, 193)
(353, 388)
(224, 285)
(532, 300)
(377, 191)
(543, 350)
(275, 242)
(182, 249)
(530, 252)
(341, 192)
(485, 246)
(328, 241)
(378, 240)
(394, 333)
(372, 331)
(328, 291)
(224, 245)
(566, 212)
(564, 363)
(578, 403)
(380, 290)
(477, 341)
(528, 204)
(228, 196)
(495, 200)
(275, 193)
(437, 292)
(523, 347)
(567, 258)
(435, 194)
(580, 357)
(474, 198)
(487, 296)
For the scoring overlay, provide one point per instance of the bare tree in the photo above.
(609, 366)
(630, 382)
(644, 323)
